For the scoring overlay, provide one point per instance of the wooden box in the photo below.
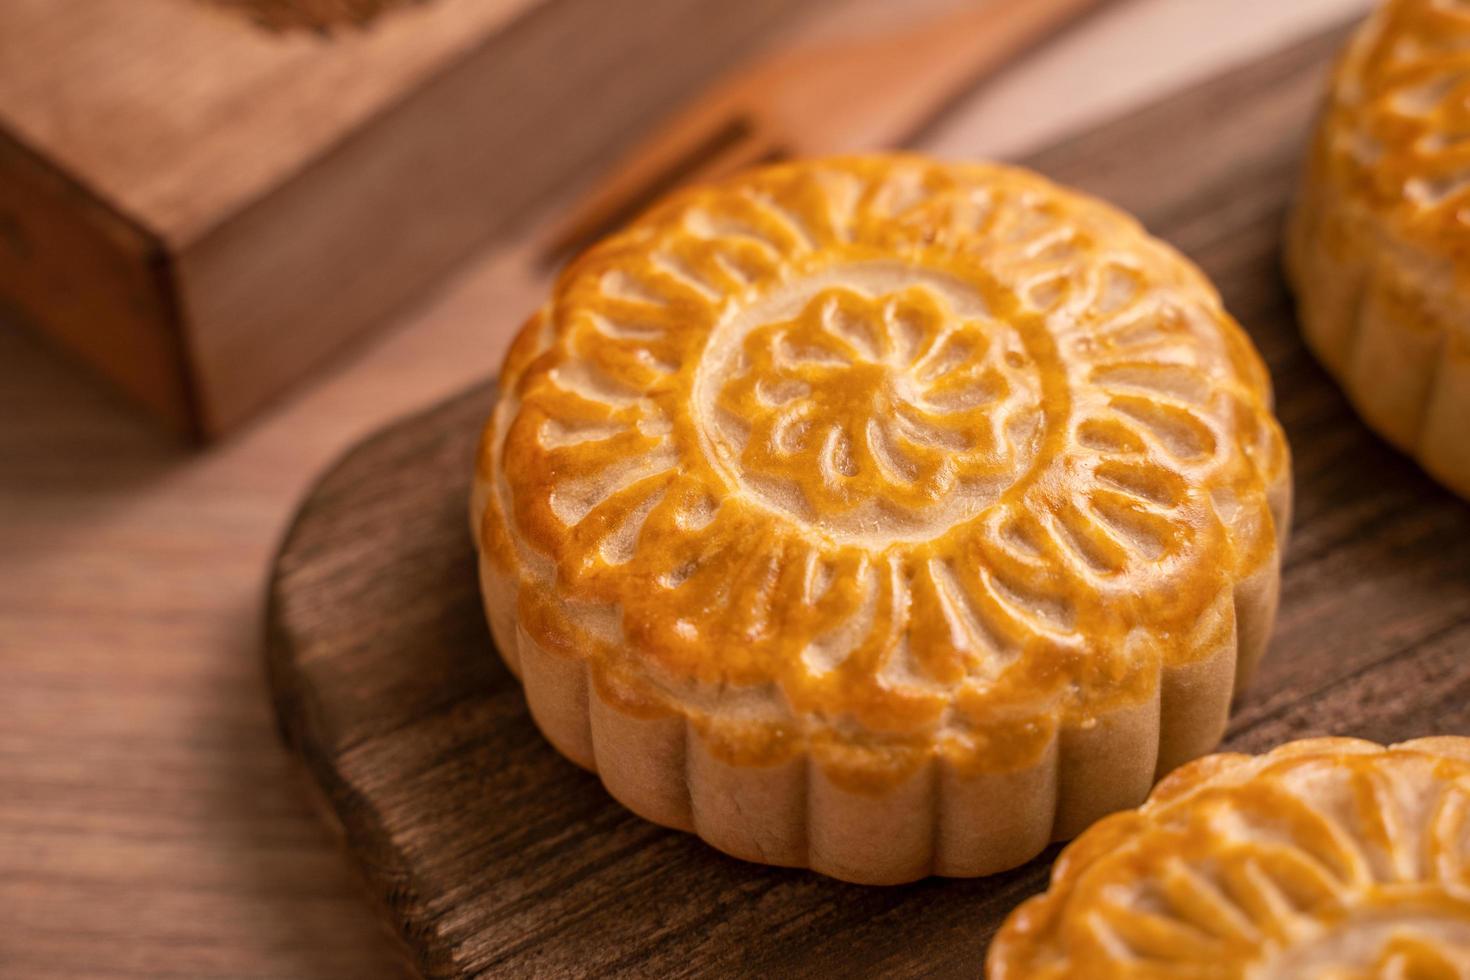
(203, 207)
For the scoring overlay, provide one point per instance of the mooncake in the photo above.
(1379, 242)
(1324, 859)
(881, 516)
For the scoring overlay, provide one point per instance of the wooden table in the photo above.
(150, 822)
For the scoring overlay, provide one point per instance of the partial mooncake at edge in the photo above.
(1378, 247)
(881, 516)
(1324, 859)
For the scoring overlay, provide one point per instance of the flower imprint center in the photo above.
(907, 407)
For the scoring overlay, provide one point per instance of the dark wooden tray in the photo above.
(490, 854)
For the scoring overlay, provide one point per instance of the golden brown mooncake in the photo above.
(1325, 859)
(1379, 243)
(881, 516)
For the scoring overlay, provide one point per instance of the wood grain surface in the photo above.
(489, 854)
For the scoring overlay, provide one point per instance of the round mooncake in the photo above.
(1326, 858)
(881, 516)
(1379, 244)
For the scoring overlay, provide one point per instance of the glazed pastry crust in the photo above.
(881, 516)
(1327, 857)
(1378, 247)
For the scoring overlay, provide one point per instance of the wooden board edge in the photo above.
(388, 881)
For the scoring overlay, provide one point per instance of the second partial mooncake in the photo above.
(1379, 245)
(881, 516)
(1324, 859)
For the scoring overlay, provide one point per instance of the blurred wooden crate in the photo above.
(203, 208)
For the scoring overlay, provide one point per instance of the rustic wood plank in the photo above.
(490, 854)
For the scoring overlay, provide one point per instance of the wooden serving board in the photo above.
(489, 854)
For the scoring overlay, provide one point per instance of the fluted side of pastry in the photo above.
(1328, 857)
(881, 516)
(1378, 247)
